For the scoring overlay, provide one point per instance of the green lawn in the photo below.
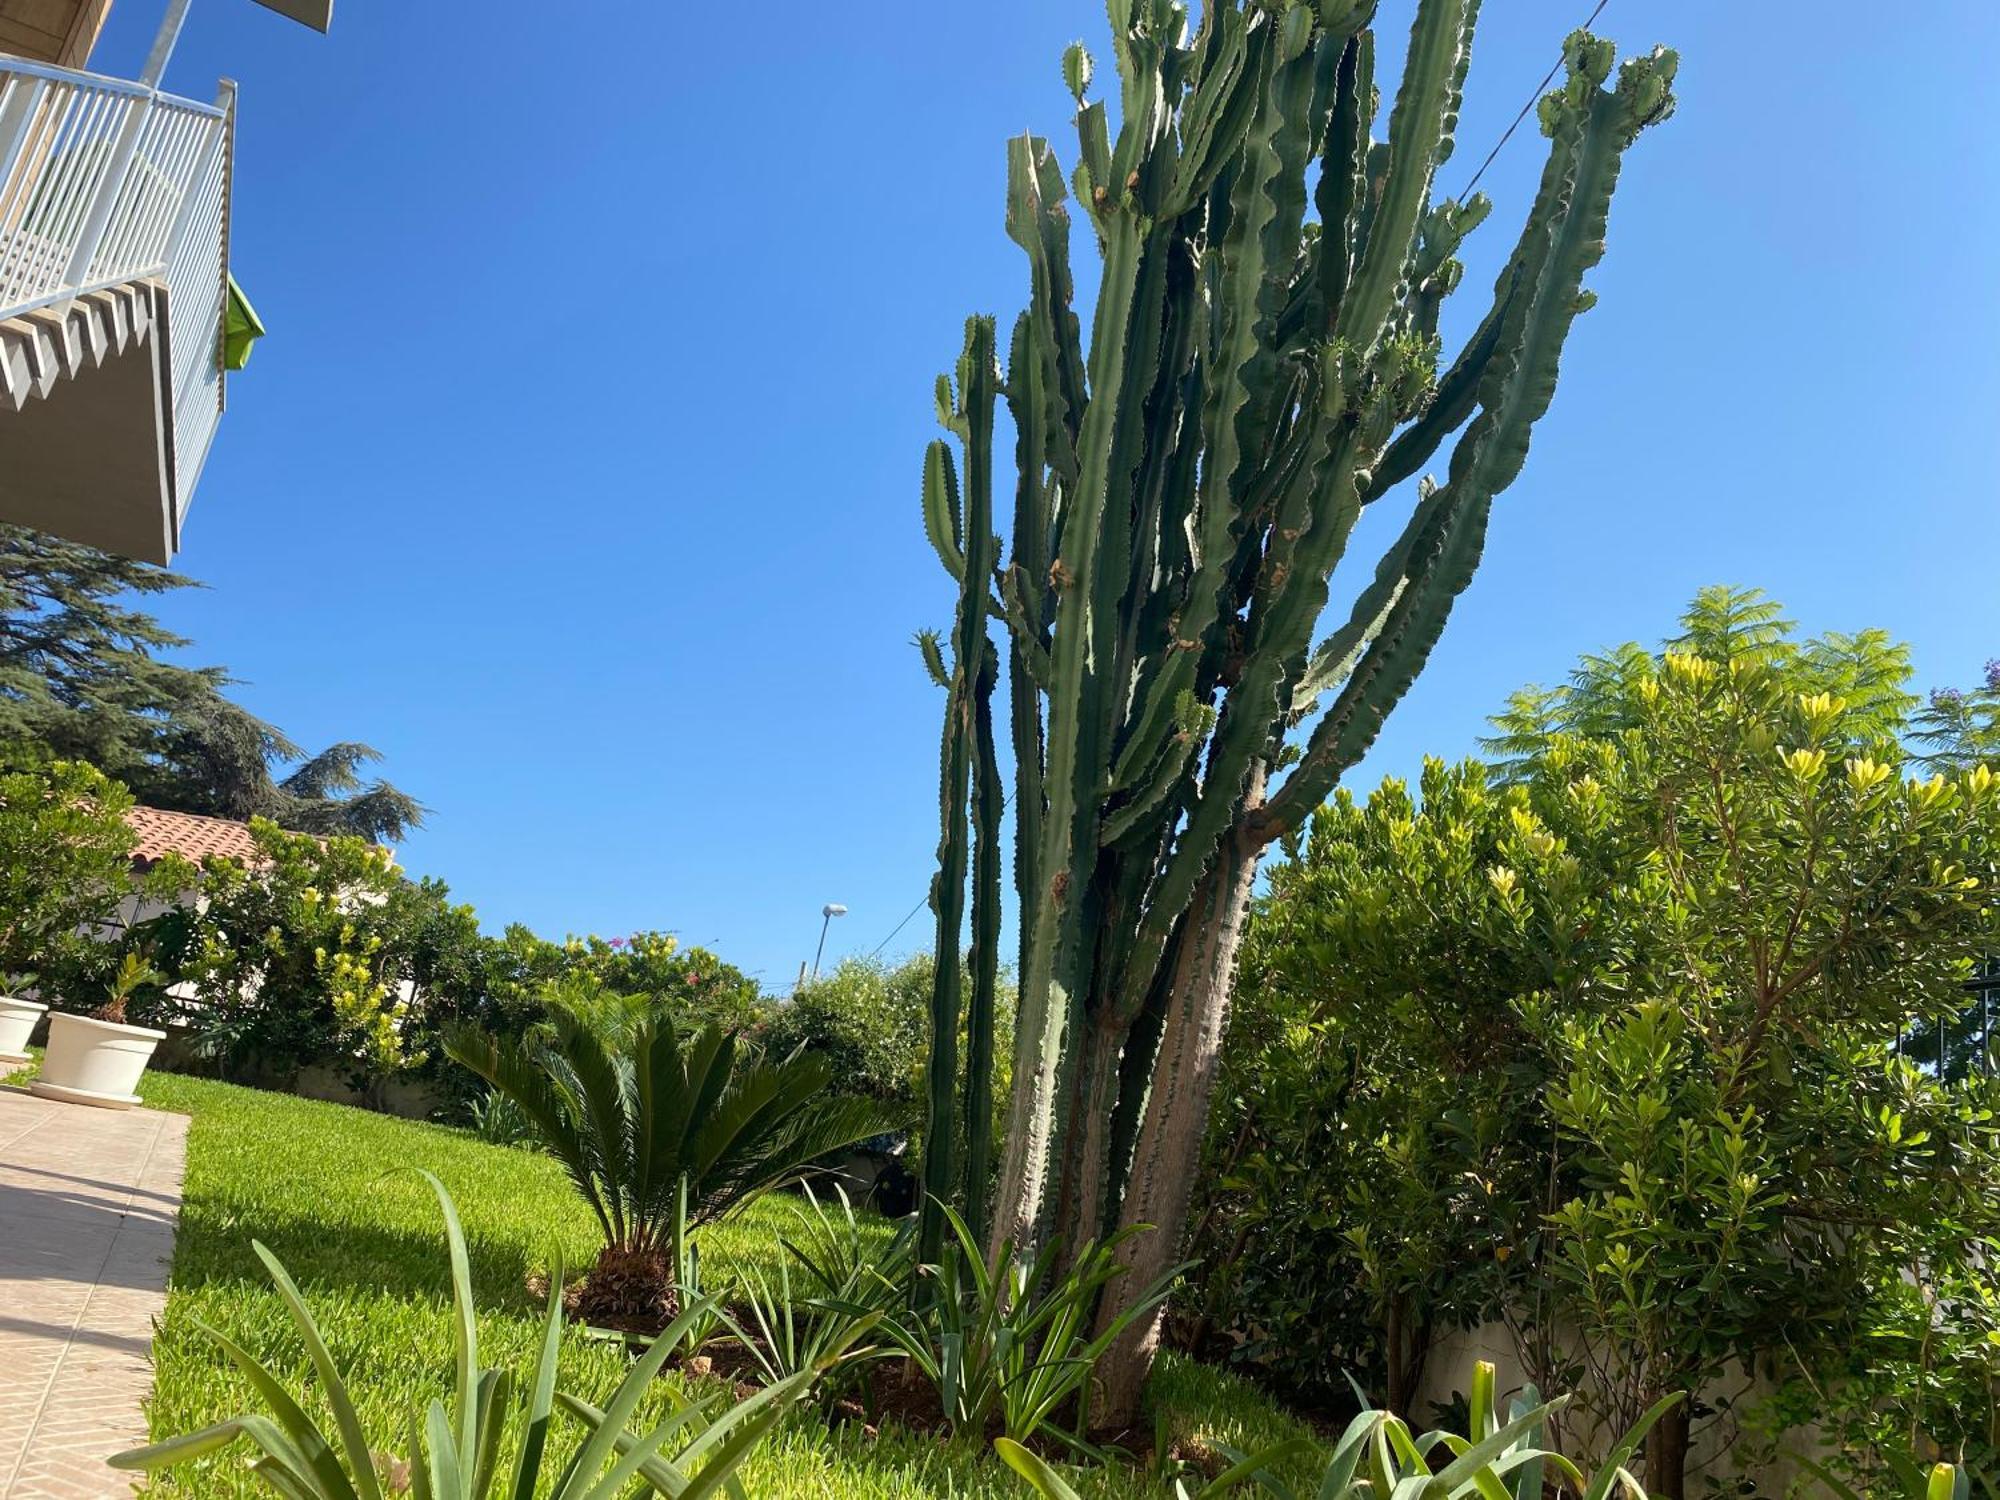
(323, 1186)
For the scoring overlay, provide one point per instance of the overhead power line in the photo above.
(899, 926)
(1533, 99)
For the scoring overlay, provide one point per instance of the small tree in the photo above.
(65, 863)
(1673, 950)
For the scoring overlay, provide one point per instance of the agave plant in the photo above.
(485, 1443)
(1378, 1457)
(498, 1121)
(1012, 1340)
(834, 1276)
(638, 1115)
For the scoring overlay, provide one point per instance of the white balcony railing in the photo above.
(103, 182)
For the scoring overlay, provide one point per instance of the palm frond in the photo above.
(632, 1108)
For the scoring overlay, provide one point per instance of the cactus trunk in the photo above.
(1259, 370)
(1164, 1157)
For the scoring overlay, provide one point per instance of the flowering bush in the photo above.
(323, 951)
(691, 981)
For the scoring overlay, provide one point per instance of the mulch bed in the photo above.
(891, 1392)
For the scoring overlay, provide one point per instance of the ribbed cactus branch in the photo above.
(966, 544)
(1259, 370)
(988, 801)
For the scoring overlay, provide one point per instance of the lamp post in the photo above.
(827, 913)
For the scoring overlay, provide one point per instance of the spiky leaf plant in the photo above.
(1379, 1457)
(495, 1437)
(660, 1133)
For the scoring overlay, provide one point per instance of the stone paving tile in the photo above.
(88, 1200)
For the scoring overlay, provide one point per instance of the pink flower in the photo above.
(618, 942)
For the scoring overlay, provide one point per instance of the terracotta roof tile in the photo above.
(188, 834)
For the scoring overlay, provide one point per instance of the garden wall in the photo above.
(1712, 1441)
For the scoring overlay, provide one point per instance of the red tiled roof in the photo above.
(190, 835)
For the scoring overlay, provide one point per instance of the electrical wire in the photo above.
(1505, 136)
(1533, 100)
(921, 900)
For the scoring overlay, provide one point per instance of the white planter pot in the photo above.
(94, 1062)
(17, 1019)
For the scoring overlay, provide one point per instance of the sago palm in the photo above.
(634, 1110)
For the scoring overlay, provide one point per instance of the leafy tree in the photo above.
(660, 1132)
(1960, 727)
(81, 679)
(1367, 1167)
(65, 863)
(1632, 1011)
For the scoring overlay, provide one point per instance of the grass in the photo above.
(325, 1187)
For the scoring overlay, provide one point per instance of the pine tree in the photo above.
(81, 679)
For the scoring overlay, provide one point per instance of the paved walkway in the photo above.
(88, 1199)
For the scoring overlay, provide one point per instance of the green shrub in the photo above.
(1605, 1038)
(695, 984)
(322, 952)
(870, 1020)
(65, 864)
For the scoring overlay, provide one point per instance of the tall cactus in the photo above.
(1186, 484)
(961, 531)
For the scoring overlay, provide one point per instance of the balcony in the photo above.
(114, 288)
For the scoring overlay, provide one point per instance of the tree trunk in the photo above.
(1667, 1455)
(1406, 1339)
(1170, 1135)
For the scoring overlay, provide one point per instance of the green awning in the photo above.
(241, 327)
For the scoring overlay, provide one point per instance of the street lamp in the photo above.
(827, 913)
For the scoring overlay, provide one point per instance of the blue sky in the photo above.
(579, 471)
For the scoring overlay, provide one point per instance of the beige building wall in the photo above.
(1448, 1369)
(52, 31)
